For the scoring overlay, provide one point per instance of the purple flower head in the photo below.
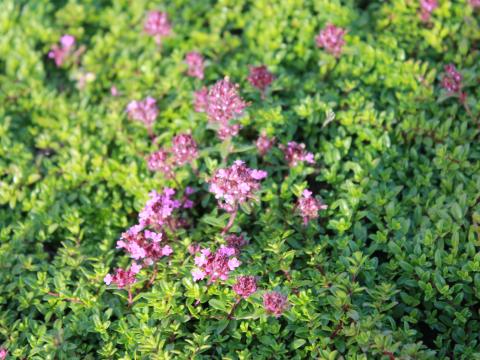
(236, 242)
(216, 265)
(235, 185)
(245, 286)
(452, 79)
(195, 64)
(157, 25)
(295, 153)
(123, 278)
(275, 303)
(331, 39)
(184, 149)
(201, 98)
(60, 53)
(426, 9)
(160, 161)
(264, 144)
(260, 77)
(309, 206)
(144, 111)
(158, 210)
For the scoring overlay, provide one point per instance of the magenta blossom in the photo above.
(275, 303)
(309, 206)
(158, 211)
(123, 278)
(235, 185)
(426, 9)
(236, 242)
(184, 149)
(295, 153)
(160, 161)
(60, 53)
(264, 144)
(200, 102)
(452, 79)
(260, 78)
(475, 4)
(3, 353)
(144, 111)
(331, 39)
(216, 265)
(195, 64)
(157, 25)
(245, 286)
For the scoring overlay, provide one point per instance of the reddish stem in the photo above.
(230, 221)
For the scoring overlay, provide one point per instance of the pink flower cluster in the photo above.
(195, 64)
(3, 353)
(235, 185)
(275, 303)
(475, 4)
(309, 206)
(61, 53)
(144, 111)
(245, 286)
(157, 25)
(295, 153)
(426, 9)
(123, 278)
(331, 39)
(184, 150)
(236, 242)
(223, 104)
(260, 78)
(159, 209)
(264, 144)
(215, 265)
(452, 79)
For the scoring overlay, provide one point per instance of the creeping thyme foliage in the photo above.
(293, 179)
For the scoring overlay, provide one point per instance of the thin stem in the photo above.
(230, 221)
(237, 301)
(130, 297)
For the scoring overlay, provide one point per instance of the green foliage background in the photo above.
(392, 269)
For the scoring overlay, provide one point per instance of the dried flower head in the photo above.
(216, 265)
(195, 64)
(235, 185)
(452, 79)
(157, 25)
(245, 286)
(184, 149)
(309, 206)
(331, 39)
(260, 78)
(264, 144)
(426, 9)
(295, 153)
(60, 53)
(274, 303)
(144, 111)
(123, 278)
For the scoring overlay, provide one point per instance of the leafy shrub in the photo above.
(380, 260)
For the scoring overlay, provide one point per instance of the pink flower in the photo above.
(235, 185)
(309, 206)
(157, 25)
(223, 105)
(167, 250)
(184, 149)
(123, 278)
(260, 78)
(60, 53)
(193, 249)
(201, 96)
(245, 286)
(158, 210)
(274, 303)
(331, 39)
(215, 265)
(3, 353)
(475, 3)
(195, 64)
(160, 161)
(114, 91)
(144, 111)
(452, 79)
(426, 9)
(264, 144)
(295, 153)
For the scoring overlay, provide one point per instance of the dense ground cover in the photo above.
(380, 260)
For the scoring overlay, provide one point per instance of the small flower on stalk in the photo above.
(144, 111)
(195, 64)
(123, 278)
(452, 79)
(309, 206)
(157, 25)
(426, 9)
(275, 303)
(216, 265)
(264, 144)
(331, 39)
(260, 78)
(295, 153)
(245, 286)
(184, 149)
(158, 210)
(61, 53)
(160, 161)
